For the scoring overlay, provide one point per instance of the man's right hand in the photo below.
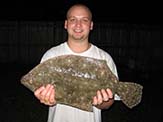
(46, 95)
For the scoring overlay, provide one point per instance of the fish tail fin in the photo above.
(130, 93)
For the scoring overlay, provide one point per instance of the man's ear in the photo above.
(65, 25)
(91, 27)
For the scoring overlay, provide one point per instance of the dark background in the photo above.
(130, 31)
(140, 12)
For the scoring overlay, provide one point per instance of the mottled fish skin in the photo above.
(77, 78)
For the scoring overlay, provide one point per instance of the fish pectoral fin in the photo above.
(130, 93)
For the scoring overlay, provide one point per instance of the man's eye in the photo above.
(72, 20)
(85, 20)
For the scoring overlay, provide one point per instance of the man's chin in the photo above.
(78, 38)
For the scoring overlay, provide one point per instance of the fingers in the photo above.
(46, 94)
(110, 93)
(51, 97)
(105, 96)
(97, 100)
(102, 96)
(38, 91)
(99, 97)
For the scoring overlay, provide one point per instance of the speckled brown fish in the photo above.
(77, 78)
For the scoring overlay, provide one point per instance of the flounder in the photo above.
(77, 78)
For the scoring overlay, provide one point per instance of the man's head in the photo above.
(79, 6)
(79, 22)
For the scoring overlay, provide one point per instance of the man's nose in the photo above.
(78, 23)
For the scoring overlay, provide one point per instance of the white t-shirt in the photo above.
(64, 113)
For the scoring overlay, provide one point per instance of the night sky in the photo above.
(133, 12)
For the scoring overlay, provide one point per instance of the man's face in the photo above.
(78, 23)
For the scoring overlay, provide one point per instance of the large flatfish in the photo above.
(77, 78)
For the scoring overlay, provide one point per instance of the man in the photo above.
(78, 25)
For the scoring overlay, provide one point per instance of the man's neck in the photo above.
(78, 47)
